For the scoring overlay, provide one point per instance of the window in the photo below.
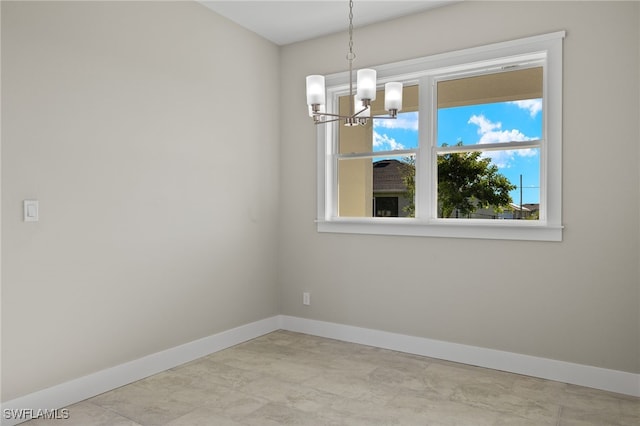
(370, 165)
(489, 135)
(474, 153)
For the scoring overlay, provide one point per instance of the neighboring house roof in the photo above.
(387, 176)
(532, 207)
(516, 207)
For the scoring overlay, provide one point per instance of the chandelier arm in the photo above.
(360, 112)
(391, 116)
(385, 117)
(326, 121)
(328, 114)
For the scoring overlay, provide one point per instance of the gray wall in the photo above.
(158, 196)
(577, 300)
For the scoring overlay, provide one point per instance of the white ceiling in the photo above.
(285, 22)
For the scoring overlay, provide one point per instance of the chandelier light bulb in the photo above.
(315, 90)
(393, 96)
(366, 86)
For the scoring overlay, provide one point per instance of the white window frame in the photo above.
(545, 50)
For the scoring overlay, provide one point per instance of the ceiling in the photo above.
(285, 22)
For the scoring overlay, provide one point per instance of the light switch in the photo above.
(31, 213)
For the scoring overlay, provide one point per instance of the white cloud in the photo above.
(533, 105)
(503, 136)
(484, 125)
(407, 120)
(491, 132)
(503, 159)
(384, 143)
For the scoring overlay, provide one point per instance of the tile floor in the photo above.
(286, 378)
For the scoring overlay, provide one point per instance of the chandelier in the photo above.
(360, 102)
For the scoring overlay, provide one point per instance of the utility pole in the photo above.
(521, 196)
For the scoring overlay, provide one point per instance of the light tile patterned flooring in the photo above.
(286, 378)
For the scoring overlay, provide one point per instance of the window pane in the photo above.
(517, 121)
(376, 187)
(489, 185)
(382, 134)
(492, 108)
(356, 139)
(505, 86)
(489, 109)
(392, 135)
(354, 187)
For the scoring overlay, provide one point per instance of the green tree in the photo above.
(466, 182)
(408, 172)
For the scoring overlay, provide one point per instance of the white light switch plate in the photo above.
(31, 211)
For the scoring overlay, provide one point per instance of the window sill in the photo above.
(461, 228)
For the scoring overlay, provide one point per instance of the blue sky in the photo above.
(477, 124)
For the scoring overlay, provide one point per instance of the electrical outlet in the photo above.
(306, 298)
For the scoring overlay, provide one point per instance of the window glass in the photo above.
(372, 173)
(472, 186)
(398, 134)
(370, 186)
(394, 182)
(381, 134)
(486, 181)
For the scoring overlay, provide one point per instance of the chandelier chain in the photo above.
(351, 56)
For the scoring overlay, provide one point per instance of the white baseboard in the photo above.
(566, 372)
(77, 390)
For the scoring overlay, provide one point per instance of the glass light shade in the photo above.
(366, 86)
(393, 96)
(358, 106)
(315, 90)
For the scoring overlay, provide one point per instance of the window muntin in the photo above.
(544, 50)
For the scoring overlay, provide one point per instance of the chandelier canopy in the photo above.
(360, 101)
